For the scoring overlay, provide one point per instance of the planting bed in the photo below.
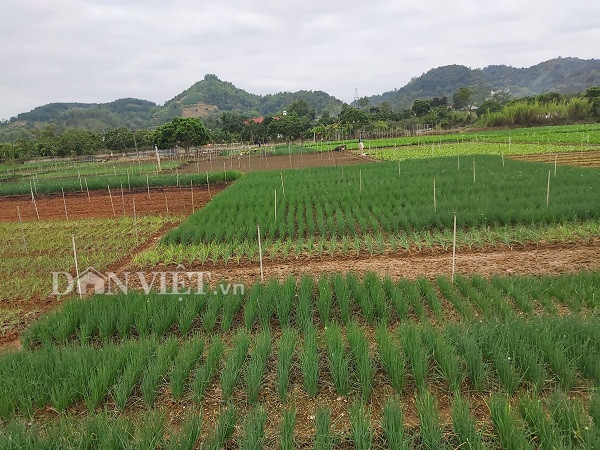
(98, 205)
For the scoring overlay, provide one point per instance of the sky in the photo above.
(103, 50)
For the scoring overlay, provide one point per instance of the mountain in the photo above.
(204, 99)
(563, 75)
(211, 96)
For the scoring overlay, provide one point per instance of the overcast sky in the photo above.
(102, 50)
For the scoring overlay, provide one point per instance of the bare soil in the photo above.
(256, 162)
(177, 200)
(532, 259)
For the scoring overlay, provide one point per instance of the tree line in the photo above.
(299, 121)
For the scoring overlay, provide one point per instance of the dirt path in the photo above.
(549, 259)
(178, 201)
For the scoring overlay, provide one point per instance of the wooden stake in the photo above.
(555, 159)
(473, 170)
(87, 190)
(80, 185)
(128, 182)
(275, 204)
(167, 204)
(76, 267)
(225, 170)
(548, 191)
(64, 203)
(502, 154)
(282, 186)
(111, 202)
(458, 162)
(262, 276)
(148, 185)
(454, 248)
(177, 174)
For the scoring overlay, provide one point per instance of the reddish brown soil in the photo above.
(590, 158)
(551, 259)
(256, 162)
(179, 201)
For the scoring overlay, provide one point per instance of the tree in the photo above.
(353, 118)
(183, 131)
(488, 106)
(421, 108)
(301, 109)
(462, 98)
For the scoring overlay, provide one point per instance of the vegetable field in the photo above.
(82, 184)
(581, 135)
(393, 197)
(329, 362)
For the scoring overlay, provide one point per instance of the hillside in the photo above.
(564, 75)
(210, 96)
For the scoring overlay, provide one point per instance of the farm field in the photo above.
(387, 207)
(337, 360)
(178, 201)
(255, 161)
(127, 181)
(576, 135)
(28, 256)
(360, 336)
(536, 151)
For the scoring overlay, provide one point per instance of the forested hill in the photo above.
(563, 75)
(211, 96)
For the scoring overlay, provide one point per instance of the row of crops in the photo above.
(390, 197)
(580, 134)
(128, 181)
(298, 303)
(508, 362)
(501, 237)
(392, 153)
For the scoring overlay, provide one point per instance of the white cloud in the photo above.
(99, 50)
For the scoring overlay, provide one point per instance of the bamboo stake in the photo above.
(192, 189)
(225, 170)
(360, 180)
(548, 191)
(275, 204)
(87, 190)
(76, 267)
(208, 184)
(177, 174)
(128, 182)
(555, 159)
(473, 170)
(282, 186)
(458, 162)
(35, 206)
(122, 200)
(111, 202)
(148, 185)
(80, 185)
(502, 154)
(454, 248)
(167, 204)
(22, 231)
(434, 199)
(64, 203)
(262, 276)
